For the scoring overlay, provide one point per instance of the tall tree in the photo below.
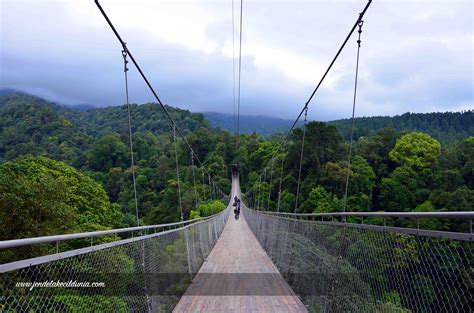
(40, 197)
(417, 150)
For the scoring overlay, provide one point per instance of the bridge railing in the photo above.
(140, 230)
(144, 273)
(386, 221)
(372, 261)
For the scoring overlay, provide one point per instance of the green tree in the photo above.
(287, 201)
(395, 196)
(428, 223)
(416, 150)
(207, 209)
(323, 143)
(108, 152)
(363, 178)
(462, 199)
(333, 177)
(323, 201)
(375, 150)
(40, 197)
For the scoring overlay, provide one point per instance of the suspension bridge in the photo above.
(265, 261)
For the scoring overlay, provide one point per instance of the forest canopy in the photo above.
(67, 170)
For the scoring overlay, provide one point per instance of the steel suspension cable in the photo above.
(194, 180)
(203, 185)
(210, 190)
(213, 191)
(361, 23)
(263, 189)
(125, 70)
(240, 72)
(177, 172)
(288, 133)
(233, 64)
(147, 82)
(258, 191)
(262, 192)
(279, 187)
(301, 159)
(216, 196)
(343, 247)
(270, 186)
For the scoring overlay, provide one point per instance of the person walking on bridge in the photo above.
(237, 207)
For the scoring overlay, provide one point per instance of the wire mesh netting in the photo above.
(142, 274)
(344, 269)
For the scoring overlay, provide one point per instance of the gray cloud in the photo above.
(416, 55)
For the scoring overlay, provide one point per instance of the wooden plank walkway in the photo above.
(238, 276)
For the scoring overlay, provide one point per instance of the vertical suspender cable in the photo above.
(210, 188)
(194, 179)
(270, 186)
(265, 173)
(279, 187)
(233, 64)
(214, 189)
(177, 171)
(258, 191)
(288, 133)
(125, 70)
(142, 245)
(203, 188)
(240, 72)
(344, 244)
(361, 22)
(301, 159)
(145, 79)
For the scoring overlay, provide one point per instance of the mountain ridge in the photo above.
(444, 126)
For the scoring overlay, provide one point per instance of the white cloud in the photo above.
(413, 53)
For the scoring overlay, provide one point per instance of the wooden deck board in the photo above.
(239, 254)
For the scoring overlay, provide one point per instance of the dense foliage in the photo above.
(391, 170)
(91, 148)
(445, 127)
(65, 170)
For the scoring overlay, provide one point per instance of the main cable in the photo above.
(288, 133)
(173, 123)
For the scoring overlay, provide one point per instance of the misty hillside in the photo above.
(263, 125)
(95, 121)
(32, 125)
(446, 126)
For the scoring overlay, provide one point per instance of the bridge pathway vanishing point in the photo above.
(238, 276)
(334, 266)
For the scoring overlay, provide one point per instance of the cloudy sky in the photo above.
(416, 55)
